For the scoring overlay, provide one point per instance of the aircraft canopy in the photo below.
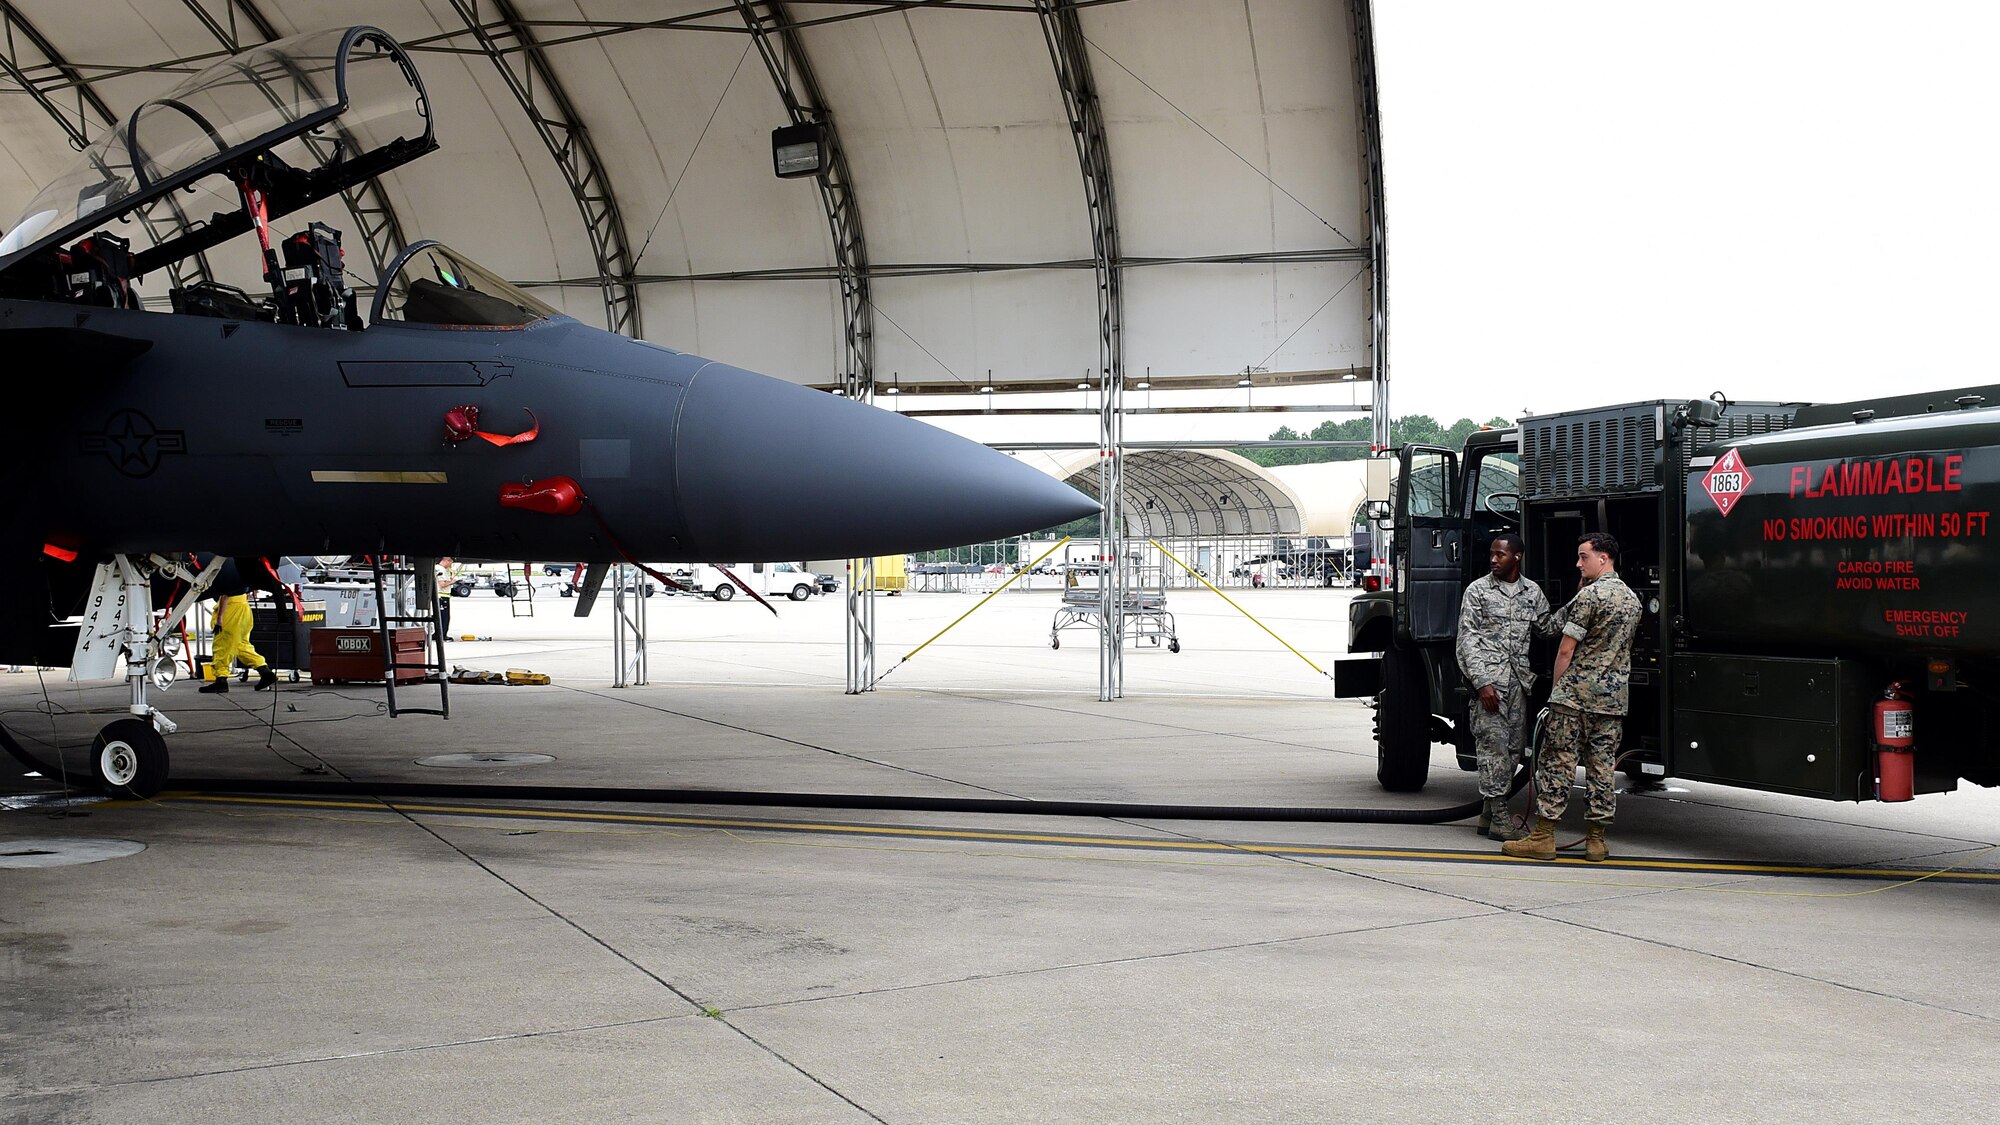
(302, 118)
(430, 283)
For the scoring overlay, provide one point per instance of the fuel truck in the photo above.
(1820, 585)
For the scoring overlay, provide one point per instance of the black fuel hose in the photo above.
(880, 802)
(1004, 805)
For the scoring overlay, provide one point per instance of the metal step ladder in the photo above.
(388, 617)
(522, 604)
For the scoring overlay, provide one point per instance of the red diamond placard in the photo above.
(1727, 481)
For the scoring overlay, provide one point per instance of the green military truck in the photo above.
(1821, 585)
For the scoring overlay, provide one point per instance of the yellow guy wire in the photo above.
(975, 609)
(1196, 575)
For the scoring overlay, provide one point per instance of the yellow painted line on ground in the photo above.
(1715, 867)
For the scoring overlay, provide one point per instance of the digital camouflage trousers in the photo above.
(1567, 736)
(1497, 740)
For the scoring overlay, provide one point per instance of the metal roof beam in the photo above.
(586, 30)
(941, 269)
(524, 65)
(1361, 32)
(784, 55)
(1062, 30)
(783, 51)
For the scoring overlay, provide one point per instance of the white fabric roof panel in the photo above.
(960, 154)
(955, 133)
(1264, 80)
(1187, 319)
(940, 329)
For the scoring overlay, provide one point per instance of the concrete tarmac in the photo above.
(1745, 957)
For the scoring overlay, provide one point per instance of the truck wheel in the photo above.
(129, 759)
(801, 592)
(461, 589)
(724, 593)
(1403, 723)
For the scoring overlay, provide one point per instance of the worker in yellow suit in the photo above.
(232, 643)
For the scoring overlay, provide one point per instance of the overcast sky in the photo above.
(1597, 202)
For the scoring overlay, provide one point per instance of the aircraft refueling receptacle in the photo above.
(1821, 615)
(273, 419)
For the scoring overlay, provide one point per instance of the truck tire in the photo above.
(724, 592)
(801, 592)
(1403, 723)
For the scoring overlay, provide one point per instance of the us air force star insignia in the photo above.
(133, 444)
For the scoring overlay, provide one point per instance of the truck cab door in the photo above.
(1427, 551)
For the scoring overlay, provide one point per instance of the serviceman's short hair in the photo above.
(1603, 542)
(1513, 539)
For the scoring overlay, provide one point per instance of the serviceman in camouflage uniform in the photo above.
(1588, 703)
(1495, 623)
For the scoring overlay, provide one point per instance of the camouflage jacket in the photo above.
(1602, 619)
(1493, 632)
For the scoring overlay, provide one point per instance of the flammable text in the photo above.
(1886, 477)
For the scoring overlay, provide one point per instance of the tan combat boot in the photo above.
(1539, 844)
(1593, 844)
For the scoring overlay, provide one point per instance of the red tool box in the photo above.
(354, 656)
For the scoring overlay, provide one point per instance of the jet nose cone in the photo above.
(766, 469)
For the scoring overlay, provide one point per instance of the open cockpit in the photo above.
(229, 152)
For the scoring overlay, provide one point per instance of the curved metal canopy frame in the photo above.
(784, 54)
(1068, 51)
(15, 26)
(375, 218)
(526, 70)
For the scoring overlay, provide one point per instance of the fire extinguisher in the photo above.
(1895, 745)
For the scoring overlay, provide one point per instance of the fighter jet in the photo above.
(457, 415)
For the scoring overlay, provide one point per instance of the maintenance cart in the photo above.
(1144, 605)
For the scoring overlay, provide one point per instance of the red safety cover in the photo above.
(552, 496)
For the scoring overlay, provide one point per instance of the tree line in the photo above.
(1415, 429)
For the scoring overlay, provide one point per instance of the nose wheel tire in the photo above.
(129, 759)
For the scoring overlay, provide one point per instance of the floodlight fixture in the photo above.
(798, 150)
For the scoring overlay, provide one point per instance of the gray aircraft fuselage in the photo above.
(247, 438)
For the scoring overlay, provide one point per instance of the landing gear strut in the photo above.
(128, 757)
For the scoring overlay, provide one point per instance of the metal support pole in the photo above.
(628, 627)
(1068, 52)
(1361, 28)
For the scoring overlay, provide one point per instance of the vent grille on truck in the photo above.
(1586, 454)
(1589, 455)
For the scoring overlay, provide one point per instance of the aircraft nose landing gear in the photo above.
(128, 758)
